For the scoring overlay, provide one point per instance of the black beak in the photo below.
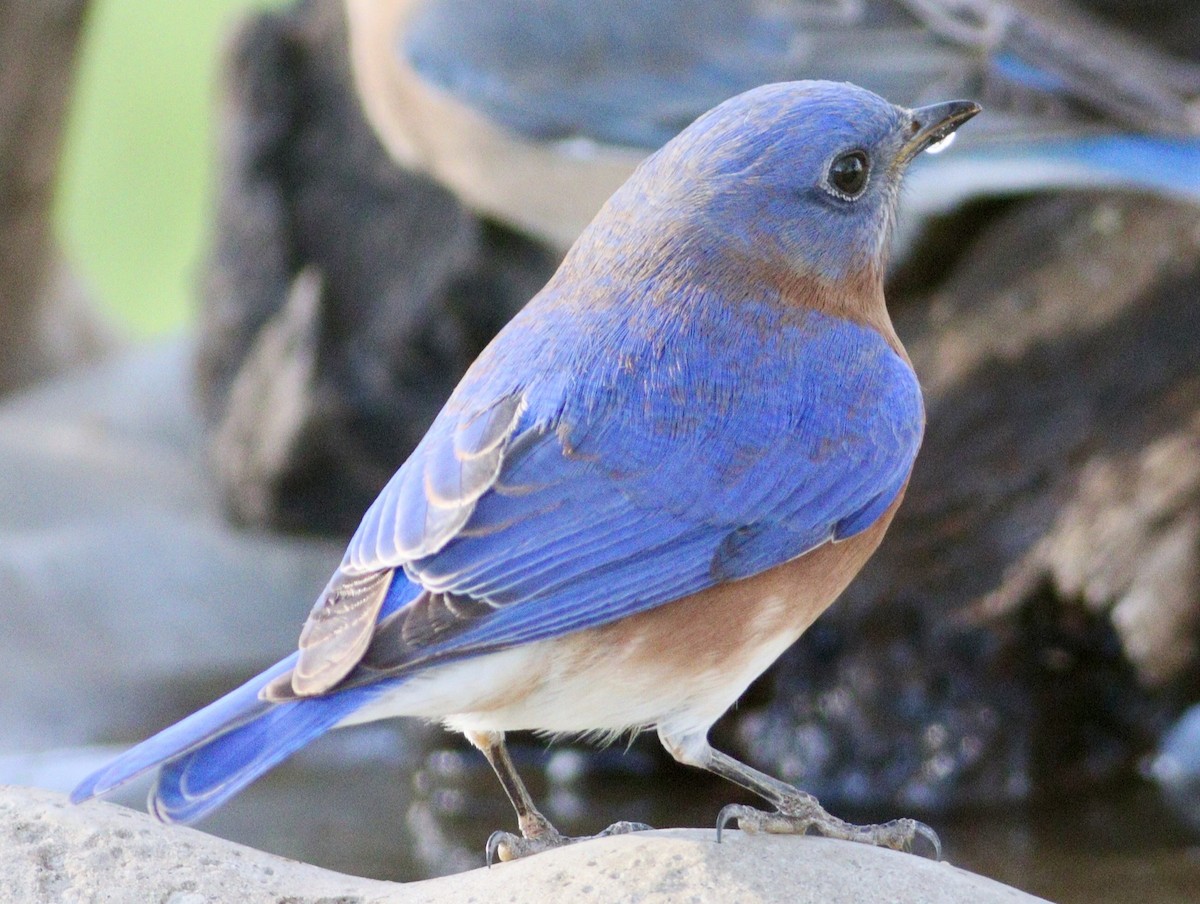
(931, 124)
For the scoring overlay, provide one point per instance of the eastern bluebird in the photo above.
(643, 491)
(571, 94)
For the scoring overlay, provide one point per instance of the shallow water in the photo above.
(378, 802)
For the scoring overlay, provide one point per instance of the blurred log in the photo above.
(344, 297)
(1173, 25)
(46, 323)
(1085, 473)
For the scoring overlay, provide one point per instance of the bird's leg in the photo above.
(797, 812)
(537, 833)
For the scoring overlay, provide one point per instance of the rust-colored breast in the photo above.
(724, 628)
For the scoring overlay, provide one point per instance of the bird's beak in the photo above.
(929, 125)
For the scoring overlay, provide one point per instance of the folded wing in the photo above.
(556, 506)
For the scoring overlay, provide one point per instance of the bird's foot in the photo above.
(539, 835)
(804, 815)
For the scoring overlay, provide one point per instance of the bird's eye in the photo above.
(848, 175)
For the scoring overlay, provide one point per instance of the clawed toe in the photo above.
(505, 846)
(749, 819)
(900, 834)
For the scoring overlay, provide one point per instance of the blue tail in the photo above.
(214, 753)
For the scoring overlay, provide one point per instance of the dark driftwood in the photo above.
(1063, 373)
(344, 297)
(1031, 620)
(45, 322)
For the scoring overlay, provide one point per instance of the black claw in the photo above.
(728, 814)
(920, 830)
(494, 841)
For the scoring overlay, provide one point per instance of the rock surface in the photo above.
(53, 852)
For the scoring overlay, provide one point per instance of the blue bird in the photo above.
(643, 491)
(571, 94)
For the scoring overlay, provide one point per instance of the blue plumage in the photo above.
(240, 706)
(790, 451)
(195, 783)
(708, 391)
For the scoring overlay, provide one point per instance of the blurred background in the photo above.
(247, 249)
(135, 186)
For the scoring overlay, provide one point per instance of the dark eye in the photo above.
(848, 175)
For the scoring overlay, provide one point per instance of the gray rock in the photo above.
(53, 852)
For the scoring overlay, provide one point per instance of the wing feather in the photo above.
(339, 630)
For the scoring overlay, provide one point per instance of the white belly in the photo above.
(575, 685)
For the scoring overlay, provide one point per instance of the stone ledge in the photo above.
(51, 851)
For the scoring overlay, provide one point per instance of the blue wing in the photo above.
(678, 456)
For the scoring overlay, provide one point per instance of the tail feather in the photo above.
(191, 785)
(216, 752)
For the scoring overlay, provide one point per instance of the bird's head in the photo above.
(799, 178)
